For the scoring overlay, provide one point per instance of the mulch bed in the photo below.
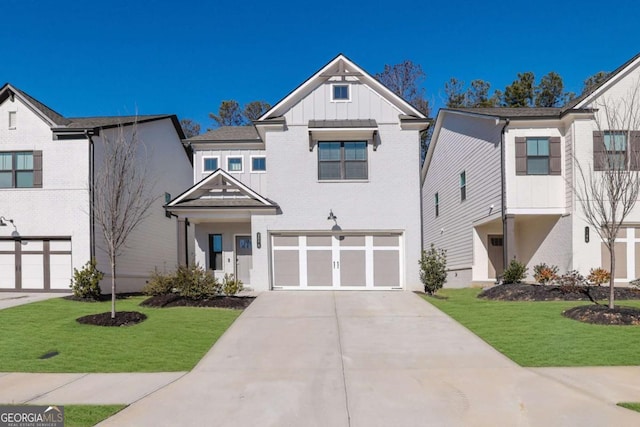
(123, 318)
(103, 297)
(526, 292)
(602, 315)
(175, 300)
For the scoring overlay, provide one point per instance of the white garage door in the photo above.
(35, 264)
(350, 261)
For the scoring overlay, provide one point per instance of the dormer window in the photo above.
(340, 92)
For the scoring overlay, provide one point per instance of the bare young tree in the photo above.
(123, 193)
(608, 189)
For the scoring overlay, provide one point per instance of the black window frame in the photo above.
(463, 186)
(343, 161)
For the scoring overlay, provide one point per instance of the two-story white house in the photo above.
(322, 192)
(48, 164)
(500, 183)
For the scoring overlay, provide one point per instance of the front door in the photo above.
(496, 263)
(243, 258)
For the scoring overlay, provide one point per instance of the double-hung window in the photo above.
(16, 170)
(537, 156)
(342, 160)
(215, 251)
(615, 142)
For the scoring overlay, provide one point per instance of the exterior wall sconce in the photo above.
(3, 221)
(331, 216)
(258, 240)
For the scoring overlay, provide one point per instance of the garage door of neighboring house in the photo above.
(352, 261)
(35, 264)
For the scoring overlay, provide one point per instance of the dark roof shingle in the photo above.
(229, 133)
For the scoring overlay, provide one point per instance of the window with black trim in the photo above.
(342, 160)
(437, 200)
(215, 251)
(21, 169)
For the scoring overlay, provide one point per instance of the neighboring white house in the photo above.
(322, 192)
(498, 184)
(47, 165)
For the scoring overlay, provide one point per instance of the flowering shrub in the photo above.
(545, 274)
(598, 276)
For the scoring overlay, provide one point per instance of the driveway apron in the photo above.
(361, 359)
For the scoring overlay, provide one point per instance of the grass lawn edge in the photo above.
(634, 406)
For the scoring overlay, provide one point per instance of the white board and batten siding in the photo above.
(324, 261)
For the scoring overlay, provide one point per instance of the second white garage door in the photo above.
(350, 261)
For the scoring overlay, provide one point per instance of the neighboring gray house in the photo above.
(47, 166)
(322, 192)
(498, 184)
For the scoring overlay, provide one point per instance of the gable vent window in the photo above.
(12, 119)
(340, 93)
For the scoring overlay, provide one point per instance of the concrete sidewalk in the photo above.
(12, 299)
(363, 359)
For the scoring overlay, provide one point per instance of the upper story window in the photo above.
(616, 149)
(615, 143)
(463, 186)
(538, 156)
(21, 169)
(12, 119)
(235, 164)
(210, 164)
(340, 92)
(258, 164)
(437, 200)
(342, 160)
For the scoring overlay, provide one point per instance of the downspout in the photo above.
(503, 195)
(92, 231)
(186, 241)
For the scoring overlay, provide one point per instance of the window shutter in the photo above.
(634, 149)
(37, 169)
(555, 156)
(521, 155)
(599, 151)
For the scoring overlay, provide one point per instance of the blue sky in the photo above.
(86, 58)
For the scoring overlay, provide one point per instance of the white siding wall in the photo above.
(153, 245)
(465, 144)
(60, 207)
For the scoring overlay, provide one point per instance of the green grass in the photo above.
(171, 339)
(634, 406)
(88, 415)
(536, 334)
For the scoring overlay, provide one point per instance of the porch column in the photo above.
(182, 241)
(509, 239)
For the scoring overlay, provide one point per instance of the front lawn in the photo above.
(171, 339)
(536, 334)
(88, 415)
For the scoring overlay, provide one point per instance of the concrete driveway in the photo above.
(13, 299)
(361, 359)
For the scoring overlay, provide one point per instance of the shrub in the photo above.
(545, 274)
(433, 269)
(231, 285)
(514, 273)
(598, 276)
(635, 282)
(572, 281)
(86, 281)
(159, 284)
(193, 281)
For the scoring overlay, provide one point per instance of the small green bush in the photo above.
(86, 281)
(231, 285)
(545, 274)
(159, 284)
(433, 269)
(514, 273)
(195, 282)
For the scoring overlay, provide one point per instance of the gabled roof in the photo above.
(229, 133)
(342, 66)
(583, 99)
(54, 118)
(220, 190)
